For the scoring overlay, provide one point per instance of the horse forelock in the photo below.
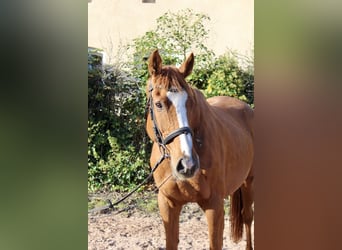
(171, 78)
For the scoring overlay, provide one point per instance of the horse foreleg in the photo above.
(214, 212)
(170, 212)
(247, 211)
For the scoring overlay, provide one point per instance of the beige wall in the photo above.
(113, 21)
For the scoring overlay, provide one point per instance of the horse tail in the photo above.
(236, 220)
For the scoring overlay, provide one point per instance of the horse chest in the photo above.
(189, 190)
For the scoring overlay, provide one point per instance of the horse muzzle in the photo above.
(187, 167)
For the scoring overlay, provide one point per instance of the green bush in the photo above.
(116, 134)
(123, 168)
(230, 79)
(177, 34)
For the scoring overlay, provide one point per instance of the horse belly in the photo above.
(231, 160)
(238, 165)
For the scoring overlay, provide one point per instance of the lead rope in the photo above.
(111, 205)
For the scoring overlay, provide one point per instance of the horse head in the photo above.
(172, 117)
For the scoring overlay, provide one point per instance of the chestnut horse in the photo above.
(205, 150)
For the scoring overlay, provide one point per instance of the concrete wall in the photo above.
(111, 22)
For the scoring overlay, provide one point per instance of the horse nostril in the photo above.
(186, 167)
(180, 167)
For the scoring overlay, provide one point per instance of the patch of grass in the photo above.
(226, 205)
(149, 206)
(96, 203)
(147, 203)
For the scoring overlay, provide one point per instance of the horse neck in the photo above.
(203, 111)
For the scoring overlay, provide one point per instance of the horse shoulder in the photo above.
(233, 108)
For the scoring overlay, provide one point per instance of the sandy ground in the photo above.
(137, 229)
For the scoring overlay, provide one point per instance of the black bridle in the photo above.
(162, 142)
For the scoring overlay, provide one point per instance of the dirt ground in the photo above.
(141, 229)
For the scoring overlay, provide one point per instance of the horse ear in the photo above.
(186, 67)
(154, 63)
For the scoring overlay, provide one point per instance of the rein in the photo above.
(162, 142)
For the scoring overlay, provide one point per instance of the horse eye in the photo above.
(159, 105)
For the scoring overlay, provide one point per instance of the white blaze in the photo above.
(178, 99)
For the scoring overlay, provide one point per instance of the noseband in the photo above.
(159, 137)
